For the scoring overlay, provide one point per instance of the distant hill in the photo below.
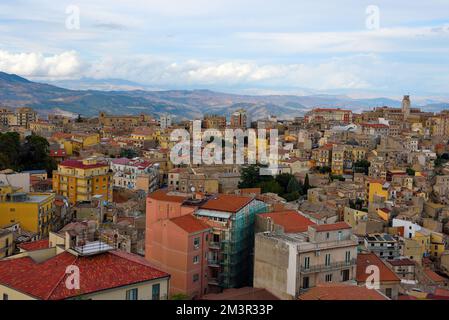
(16, 91)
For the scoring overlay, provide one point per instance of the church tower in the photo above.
(406, 107)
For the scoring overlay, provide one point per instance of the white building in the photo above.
(127, 173)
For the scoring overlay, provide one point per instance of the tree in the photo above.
(284, 179)
(293, 185)
(35, 154)
(128, 153)
(362, 166)
(271, 186)
(411, 172)
(9, 150)
(306, 185)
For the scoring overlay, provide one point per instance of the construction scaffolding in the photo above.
(237, 247)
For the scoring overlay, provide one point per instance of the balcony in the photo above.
(332, 266)
(213, 263)
(214, 245)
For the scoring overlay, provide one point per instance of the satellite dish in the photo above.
(192, 189)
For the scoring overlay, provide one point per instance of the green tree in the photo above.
(293, 185)
(9, 150)
(306, 185)
(35, 154)
(362, 166)
(128, 153)
(411, 172)
(271, 186)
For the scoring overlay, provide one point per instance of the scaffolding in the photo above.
(237, 247)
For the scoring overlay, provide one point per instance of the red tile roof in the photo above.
(46, 280)
(290, 220)
(80, 165)
(227, 203)
(367, 259)
(434, 276)
(190, 224)
(331, 227)
(167, 196)
(341, 292)
(401, 262)
(246, 294)
(35, 245)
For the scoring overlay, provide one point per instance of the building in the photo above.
(231, 244)
(127, 174)
(213, 121)
(406, 107)
(404, 268)
(239, 119)
(177, 242)
(105, 274)
(328, 114)
(23, 117)
(165, 121)
(383, 245)
(288, 264)
(389, 282)
(6, 243)
(34, 211)
(80, 180)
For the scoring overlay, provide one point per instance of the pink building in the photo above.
(177, 242)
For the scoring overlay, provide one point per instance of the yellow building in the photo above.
(353, 216)
(377, 188)
(81, 180)
(34, 211)
(6, 243)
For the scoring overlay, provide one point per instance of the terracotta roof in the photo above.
(189, 223)
(341, 292)
(290, 220)
(35, 245)
(331, 227)
(58, 153)
(80, 165)
(434, 276)
(402, 262)
(165, 195)
(100, 272)
(227, 203)
(367, 259)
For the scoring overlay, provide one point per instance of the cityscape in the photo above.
(118, 190)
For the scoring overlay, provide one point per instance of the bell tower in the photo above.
(406, 107)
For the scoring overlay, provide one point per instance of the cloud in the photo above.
(66, 64)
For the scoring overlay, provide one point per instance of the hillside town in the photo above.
(357, 207)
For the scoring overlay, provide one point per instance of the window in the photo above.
(327, 236)
(306, 262)
(196, 277)
(348, 256)
(340, 234)
(305, 282)
(196, 259)
(131, 294)
(345, 275)
(388, 292)
(156, 292)
(196, 243)
(5, 296)
(329, 277)
(327, 259)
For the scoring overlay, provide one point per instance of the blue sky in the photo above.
(246, 46)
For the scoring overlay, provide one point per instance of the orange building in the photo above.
(177, 242)
(80, 180)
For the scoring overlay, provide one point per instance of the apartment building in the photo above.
(288, 264)
(80, 180)
(328, 114)
(177, 242)
(383, 245)
(6, 243)
(34, 211)
(127, 173)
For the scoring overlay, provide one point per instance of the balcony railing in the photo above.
(328, 267)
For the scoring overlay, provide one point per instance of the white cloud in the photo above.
(66, 64)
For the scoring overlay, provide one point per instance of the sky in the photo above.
(356, 47)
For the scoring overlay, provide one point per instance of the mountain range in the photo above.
(132, 98)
